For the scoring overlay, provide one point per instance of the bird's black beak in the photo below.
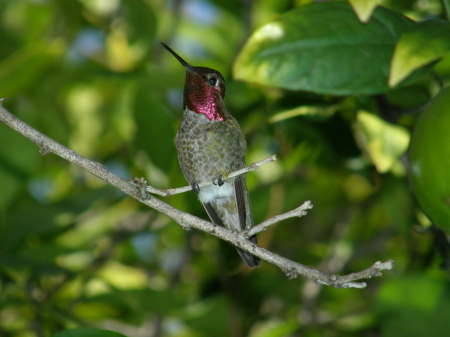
(186, 65)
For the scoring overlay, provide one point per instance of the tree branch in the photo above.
(138, 190)
(299, 211)
(172, 191)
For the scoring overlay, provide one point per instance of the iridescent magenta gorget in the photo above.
(203, 98)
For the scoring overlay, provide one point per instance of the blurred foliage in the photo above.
(91, 74)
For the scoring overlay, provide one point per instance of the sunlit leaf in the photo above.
(275, 329)
(426, 42)
(302, 111)
(364, 8)
(123, 277)
(384, 142)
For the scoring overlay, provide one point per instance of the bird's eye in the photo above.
(213, 81)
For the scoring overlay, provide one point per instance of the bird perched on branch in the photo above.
(210, 145)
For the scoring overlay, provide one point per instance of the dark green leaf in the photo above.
(322, 47)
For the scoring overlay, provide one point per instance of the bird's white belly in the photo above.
(212, 192)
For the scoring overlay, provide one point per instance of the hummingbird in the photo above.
(210, 145)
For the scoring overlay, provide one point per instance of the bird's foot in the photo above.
(218, 181)
(195, 187)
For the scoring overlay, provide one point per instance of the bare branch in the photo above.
(375, 270)
(137, 190)
(299, 211)
(172, 191)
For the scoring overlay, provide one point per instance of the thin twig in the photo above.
(291, 269)
(299, 211)
(172, 191)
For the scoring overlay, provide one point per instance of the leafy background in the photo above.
(311, 85)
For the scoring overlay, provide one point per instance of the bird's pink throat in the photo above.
(208, 105)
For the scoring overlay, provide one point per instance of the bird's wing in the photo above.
(240, 191)
(212, 214)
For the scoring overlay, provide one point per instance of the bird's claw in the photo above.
(219, 181)
(195, 187)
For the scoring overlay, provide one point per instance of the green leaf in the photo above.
(322, 47)
(384, 143)
(83, 332)
(425, 43)
(429, 164)
(364, 8)
(302, 111)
